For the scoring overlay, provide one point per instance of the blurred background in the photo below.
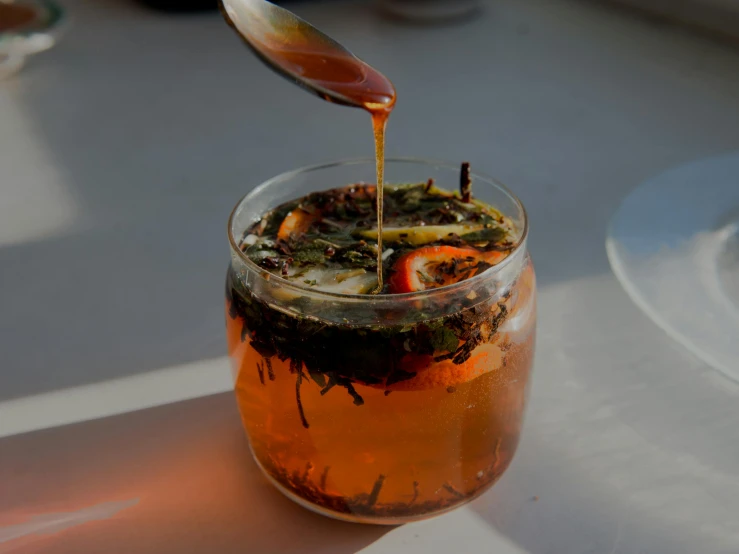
(126, 143)
(130, 128)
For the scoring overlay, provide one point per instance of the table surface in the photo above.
(123, 149)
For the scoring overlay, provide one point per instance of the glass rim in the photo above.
(439, 291)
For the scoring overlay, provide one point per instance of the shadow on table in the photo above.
(178, 478)
(553, 501)
(630, 450)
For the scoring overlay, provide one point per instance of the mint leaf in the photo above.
(489, 234)
(310, 255)
(444, 340)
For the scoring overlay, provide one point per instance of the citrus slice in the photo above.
(421, 234)
(297, 222)
(437, 266)
(445, 373)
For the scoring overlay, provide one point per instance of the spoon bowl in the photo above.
(309, 58)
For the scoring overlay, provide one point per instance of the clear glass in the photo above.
(369, 451)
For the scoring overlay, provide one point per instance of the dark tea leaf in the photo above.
(318, 378)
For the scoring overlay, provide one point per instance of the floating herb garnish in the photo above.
(310, 240)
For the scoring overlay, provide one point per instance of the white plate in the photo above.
(674, 246)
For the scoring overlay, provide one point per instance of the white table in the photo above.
(122, 151)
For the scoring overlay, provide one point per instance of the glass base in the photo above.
(360, 518)
(674, 246)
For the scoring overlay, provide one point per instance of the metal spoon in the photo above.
(304, 55)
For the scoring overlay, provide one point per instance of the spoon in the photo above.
(309, 58)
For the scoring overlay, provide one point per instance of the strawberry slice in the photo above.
(297, 222)
(436, 266)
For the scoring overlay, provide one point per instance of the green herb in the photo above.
(409, 199)
(444, 340)
(358, 256)
(489, 234)
(313, 255)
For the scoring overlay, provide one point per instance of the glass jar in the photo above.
(343, 414)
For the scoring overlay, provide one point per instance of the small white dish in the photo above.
(674, 246)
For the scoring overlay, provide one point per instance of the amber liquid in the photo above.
(427, 446)
(359, 84)
(379, 124)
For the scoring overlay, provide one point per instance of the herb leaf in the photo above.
(443, 339)
(489, 234)
(311, 254)
(357, 256)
